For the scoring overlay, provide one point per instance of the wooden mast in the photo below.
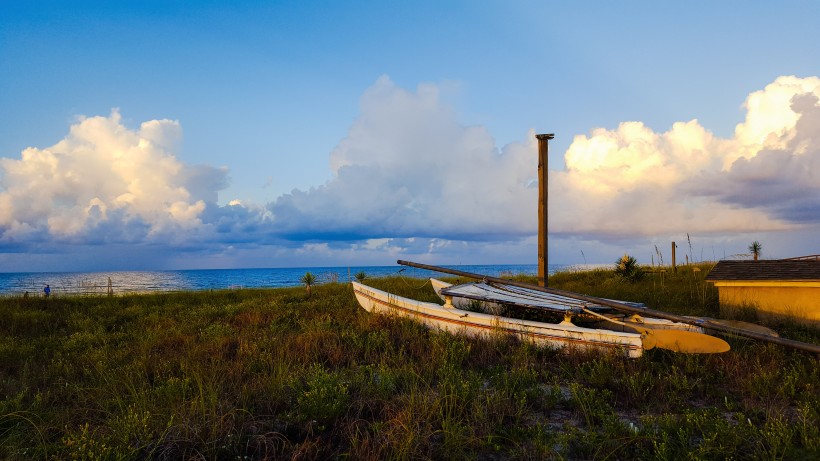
(543, 215)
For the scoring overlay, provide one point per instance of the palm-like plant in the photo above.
(755, 249)
(308, 279)
(626, 267)
(360, 277)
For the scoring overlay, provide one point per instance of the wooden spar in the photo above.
(543, 207)
(700, 322)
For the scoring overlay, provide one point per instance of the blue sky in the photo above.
(153, 135)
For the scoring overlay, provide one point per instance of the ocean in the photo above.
(120, 282)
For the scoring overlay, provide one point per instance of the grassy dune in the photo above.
(273, 374)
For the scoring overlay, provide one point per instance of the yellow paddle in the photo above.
(688, 342)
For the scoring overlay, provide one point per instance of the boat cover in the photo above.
(524, 297)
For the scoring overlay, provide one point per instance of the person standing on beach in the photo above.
(47, 291)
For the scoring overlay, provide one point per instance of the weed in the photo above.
(322, 395)
(84, 443)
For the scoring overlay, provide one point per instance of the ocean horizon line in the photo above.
(101, 271)
(148, 281)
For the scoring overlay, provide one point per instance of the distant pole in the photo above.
(543, 195)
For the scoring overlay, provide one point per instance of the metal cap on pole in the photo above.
(543, 194)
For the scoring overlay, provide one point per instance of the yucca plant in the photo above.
(755, 249)
(308, 279)
(360, 276)
(626, 267)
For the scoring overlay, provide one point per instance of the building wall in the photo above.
(795, 300)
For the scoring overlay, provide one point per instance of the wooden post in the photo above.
(543, 215)
(674, 269)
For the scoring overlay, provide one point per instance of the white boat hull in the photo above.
(564, 335)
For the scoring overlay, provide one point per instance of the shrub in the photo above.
(322, 395)
(308, 279)
(626, 267)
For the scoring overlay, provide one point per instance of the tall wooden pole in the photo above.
(543, 215)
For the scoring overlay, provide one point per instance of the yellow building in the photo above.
(784, 287)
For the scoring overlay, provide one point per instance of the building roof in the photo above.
(768, 269)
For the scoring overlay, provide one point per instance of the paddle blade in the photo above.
(648, 340)
(687, 342)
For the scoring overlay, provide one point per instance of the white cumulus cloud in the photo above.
(632, 180)
(105, 182)
(407, 168)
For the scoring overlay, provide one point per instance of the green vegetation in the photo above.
(308, 280)
(273, 374)
(627, 268)
(755, 248)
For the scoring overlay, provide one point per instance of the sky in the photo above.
(201, 134)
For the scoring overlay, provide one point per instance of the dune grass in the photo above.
(275, 374)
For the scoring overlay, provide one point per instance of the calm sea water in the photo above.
(90, 283)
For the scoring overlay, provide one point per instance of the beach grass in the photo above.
(280, 374)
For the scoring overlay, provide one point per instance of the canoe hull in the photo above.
(564, 335)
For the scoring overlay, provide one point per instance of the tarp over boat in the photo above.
(518, 296)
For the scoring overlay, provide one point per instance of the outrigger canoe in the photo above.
(564, 335)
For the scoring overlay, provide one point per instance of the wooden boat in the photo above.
(491, 297)
(564, 335)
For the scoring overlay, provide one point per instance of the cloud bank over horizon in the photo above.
(633, 180)
(407, 168)
(409, 178)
